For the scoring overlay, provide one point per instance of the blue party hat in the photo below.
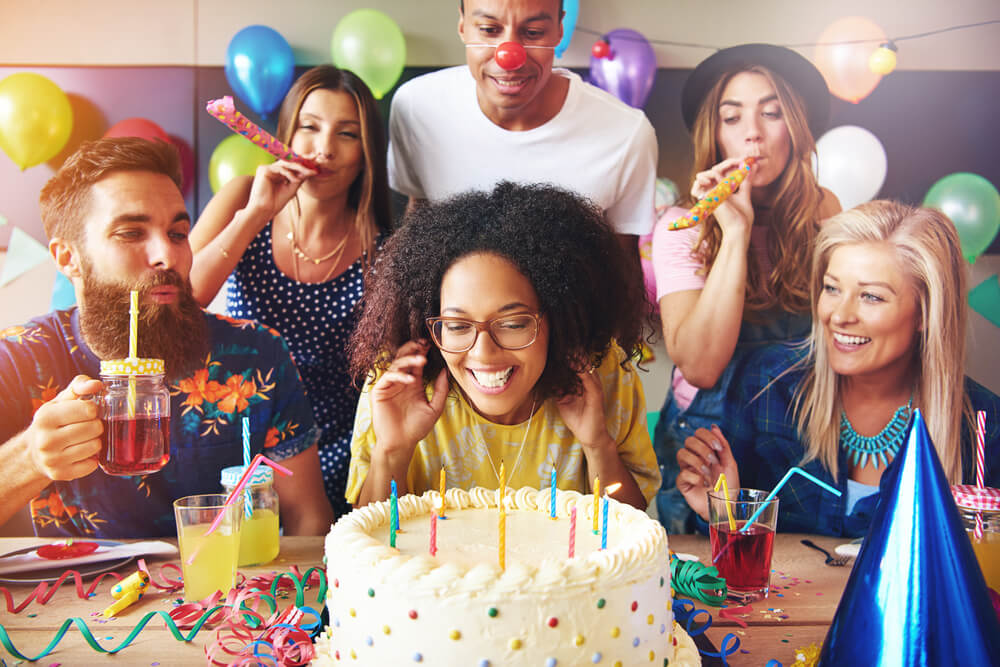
(916, 595)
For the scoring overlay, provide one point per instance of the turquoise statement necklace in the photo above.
(882, 446)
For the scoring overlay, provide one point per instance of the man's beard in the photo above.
(175, 332)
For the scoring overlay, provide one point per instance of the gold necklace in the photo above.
(297, 252)
(519, 451)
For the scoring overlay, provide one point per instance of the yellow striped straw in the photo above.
(725, 492)
(133, 345)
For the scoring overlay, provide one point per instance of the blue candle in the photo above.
(394, 515)
(552, 500)
(604, 525)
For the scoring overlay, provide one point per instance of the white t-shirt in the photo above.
(441, 144)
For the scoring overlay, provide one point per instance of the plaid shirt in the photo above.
(765, 442)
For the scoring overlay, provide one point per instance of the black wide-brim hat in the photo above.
(800, 74)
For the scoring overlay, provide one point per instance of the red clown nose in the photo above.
(510, 55)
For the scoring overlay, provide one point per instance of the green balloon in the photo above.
(371, 45)
(235, 156)
(973, 205)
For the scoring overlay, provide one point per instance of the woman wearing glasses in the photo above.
(499, 327)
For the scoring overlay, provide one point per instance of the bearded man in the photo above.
(116, 221)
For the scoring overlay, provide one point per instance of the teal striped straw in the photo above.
(791, 471)
(247, 496)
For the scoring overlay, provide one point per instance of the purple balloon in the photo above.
(629, 71)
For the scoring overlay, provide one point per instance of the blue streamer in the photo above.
(686, 614)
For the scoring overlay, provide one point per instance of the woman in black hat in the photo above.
(740, 278)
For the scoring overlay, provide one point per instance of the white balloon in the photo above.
(851, 162)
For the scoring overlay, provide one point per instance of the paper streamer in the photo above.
(687, 615)
(239, 614)
(225, 111)
(23, 254)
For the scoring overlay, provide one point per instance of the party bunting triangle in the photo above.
(23, 254)
(984, 298)
(916, 595)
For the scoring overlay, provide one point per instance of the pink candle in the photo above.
(572, 531)
(434, 533)
(980, 447)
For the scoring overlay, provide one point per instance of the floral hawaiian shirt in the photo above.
(248, 372)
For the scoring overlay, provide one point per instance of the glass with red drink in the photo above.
(135, 410)
(742, 554)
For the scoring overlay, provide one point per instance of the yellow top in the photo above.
(459, 440)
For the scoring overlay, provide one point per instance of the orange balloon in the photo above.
(844, 61)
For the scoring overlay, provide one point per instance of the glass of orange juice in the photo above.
(985, 501)
(213, 558)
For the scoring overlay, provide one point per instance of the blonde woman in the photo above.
(888, 336)
(739, 279)
(293, 244)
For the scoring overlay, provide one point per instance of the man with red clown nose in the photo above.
(508, 115)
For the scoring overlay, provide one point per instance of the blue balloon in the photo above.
(572, 9)
(260, 67)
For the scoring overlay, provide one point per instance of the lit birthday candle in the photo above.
(572, 531)
(552, 494)
(604, 524)
(597, 500)
(442, 485)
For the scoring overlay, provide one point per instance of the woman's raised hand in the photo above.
(705, 455)
(736, 213)
(273, 185)
(401, 413)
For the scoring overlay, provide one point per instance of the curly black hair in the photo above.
(587, 287)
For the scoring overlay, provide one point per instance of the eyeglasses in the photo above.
(511, 332)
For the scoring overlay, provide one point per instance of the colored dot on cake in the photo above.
(578, 640)
(371, 592)
(551, 662)
(352, 612)
(635, 605)
(601, 603)
(413, 614)
(635, 642)
(418, 657)
(615, 631)
(652, 656)
(596, 658)
(618, 663)
(649, 620)
(369, 640)
(484, 663)
(661, 582)
(354, 656)
(336, 583)
(553, 621)
(663, 628)
(515, 644)
(455, 634)
(492, 612)
(386, 630)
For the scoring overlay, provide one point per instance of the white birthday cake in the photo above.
(401, 605)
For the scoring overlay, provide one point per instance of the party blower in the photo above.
(711, 201)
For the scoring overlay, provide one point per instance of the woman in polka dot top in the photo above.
(291, 244)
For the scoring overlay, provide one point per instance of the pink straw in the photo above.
(235, 493)
(980, 447)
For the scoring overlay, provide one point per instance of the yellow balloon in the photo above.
(35, 118)
(235, 156)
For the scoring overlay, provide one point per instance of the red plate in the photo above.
(62, 551)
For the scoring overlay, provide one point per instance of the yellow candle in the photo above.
(442, 484)
(597, 499)
(502, 541)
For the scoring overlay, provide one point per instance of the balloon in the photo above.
(571, 9)
(852, 163)
(973, 205)
(137, 127)
(629, 71)
(235, 156)
(844, 61)
(36, 118)
(371, 45)
(260, 67)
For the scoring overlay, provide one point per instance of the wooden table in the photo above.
(799, 611)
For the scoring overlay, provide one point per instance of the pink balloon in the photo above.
(844, 64)
(137, 127)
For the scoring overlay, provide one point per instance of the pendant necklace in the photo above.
(298, 253)
(881, 446)
(520, 450)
